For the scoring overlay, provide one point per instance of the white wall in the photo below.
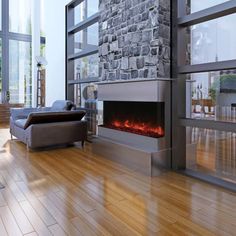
(54, 27)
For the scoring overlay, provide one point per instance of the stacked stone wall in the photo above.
(134, 39)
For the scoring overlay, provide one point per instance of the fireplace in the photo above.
(142, 118)
(135, 124)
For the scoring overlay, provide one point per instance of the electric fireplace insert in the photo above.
(142, 118)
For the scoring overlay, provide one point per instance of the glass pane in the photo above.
(212, 152)
(86, 67)
(42, 18)
(1, 71)
(20, 80)
(92, 7)
(0, 14)
(198, 5)
(212, 96)
(84, 93)
(213, 41)
(43, 50)
(87, 37)
(79, 13)
(20, 16)
(85, 10)
(85, 96)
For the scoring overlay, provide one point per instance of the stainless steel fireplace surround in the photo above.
(140, 153)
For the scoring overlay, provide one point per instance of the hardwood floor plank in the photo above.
(13, 187)
(61, 219)
(3, 231)
(31, 234)
(93, 224)
(17, 211)
(9, 222)
(135, 222)
(37, 205)
(84, 228)
(57, 230)
(78, 197)
(2, 200)
(35, 220)
(84, 217)
(105, 218)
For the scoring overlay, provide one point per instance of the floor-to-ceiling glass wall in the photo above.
(16, 52)
(208, 67)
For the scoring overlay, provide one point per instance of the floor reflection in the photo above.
(212, 152)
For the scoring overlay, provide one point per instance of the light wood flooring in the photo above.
(70, 191)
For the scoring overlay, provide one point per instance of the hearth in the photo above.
(142, 118)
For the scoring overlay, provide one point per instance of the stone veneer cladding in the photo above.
(134, 39)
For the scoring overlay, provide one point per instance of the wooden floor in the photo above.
(73, 192)
(215, 153)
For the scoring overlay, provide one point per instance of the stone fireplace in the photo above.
(136, 124)
(135, 89)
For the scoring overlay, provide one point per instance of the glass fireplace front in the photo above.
(142, 118)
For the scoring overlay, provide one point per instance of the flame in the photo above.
(138, 128)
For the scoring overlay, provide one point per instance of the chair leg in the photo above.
(82, 144)
(27, 147)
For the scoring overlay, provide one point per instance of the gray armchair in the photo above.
(50, 126)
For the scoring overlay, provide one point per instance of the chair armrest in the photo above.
(21, 113)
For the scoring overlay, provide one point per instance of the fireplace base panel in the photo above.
(147, 162)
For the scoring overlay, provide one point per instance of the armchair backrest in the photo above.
(53, 117)
(62, 105)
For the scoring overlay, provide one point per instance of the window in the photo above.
(86, 38)
(206, 88)
(213, 95)
(84, 10)
(20, 16)
(82, 67)
(20, 76)
(215, 37)
(82, 48)
(16, 52)
(211, 151)
(86, 67)
(198, 5)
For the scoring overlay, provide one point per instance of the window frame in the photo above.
(180, 21)
(71, 29)
(6, 36)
